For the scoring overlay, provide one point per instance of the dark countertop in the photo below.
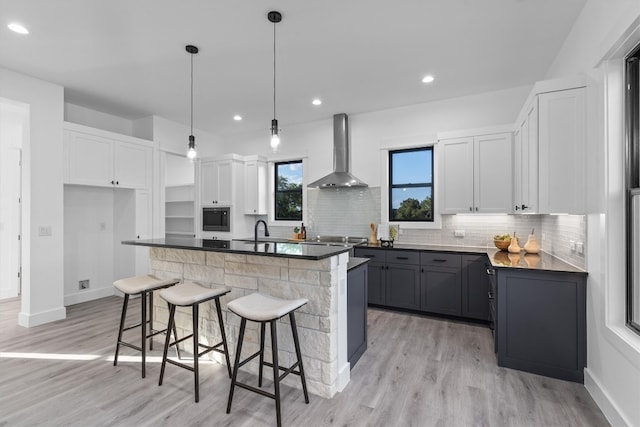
(480, 250)
(542, 261)
(356, 262)
(499, 259)
(273, 249)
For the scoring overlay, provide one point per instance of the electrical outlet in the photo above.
(44, 230)
(580, 247)
(572, 245)
(83, 284)
(458, 233)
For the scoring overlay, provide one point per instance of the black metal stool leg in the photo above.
(175, 333)
(276, 370)
(150, 305)
(296, 342)
(170, 326)
(243, 324)
(224, 336)
(196, 350)
(123, 316)
(143, 328)
(262, 326)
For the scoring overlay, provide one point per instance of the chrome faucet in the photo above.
(255, 230)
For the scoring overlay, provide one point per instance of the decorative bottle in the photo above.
(303, 232)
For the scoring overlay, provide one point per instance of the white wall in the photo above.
(97, 119)
(179, 170)
(371, 132)
(604, 32)
(88, 242)
(42, 170)
(14, 119)
(174, 137)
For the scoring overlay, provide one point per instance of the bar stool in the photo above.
(193, 294)
(267, 309)
(143, 286)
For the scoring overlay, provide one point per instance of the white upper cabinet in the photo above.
(103, 159)
(456, 177)
(561, 139)
(218, 182)
(549, 149)
(525, 160)
(492, 188)
(475, 174)
(255, 187)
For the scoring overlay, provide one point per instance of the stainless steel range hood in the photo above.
(340, 177)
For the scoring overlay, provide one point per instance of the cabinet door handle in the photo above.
(525, 207)
(117, 182)
(402, 257)
(517, 207)
(476, 209)
(112, 182)
(369, 256)
(470, 209)
(491, 271)
(439, 260)
(490, 295)
(138, 236)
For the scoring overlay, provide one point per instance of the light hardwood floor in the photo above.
(417, 371)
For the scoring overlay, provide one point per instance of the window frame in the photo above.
(391, 185)
(273, 166)
(632, 183)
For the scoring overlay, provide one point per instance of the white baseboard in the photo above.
(87, 295)
(34, 319)
(344, 375)
(606, 405)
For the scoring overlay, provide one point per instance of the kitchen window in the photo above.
(633, 189)
(411, 185)
(288, 191)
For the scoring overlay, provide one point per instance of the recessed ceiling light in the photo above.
(317, 101)
(18, 28)
(237, 117)
(427, 79)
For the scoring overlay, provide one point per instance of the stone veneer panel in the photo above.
(287, 278)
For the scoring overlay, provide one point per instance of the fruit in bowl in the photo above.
(502, 241)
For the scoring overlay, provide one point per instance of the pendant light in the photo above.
(191, 152)
(274, 17)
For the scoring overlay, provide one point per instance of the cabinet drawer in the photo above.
(403, 257)
(372, 254)
(441, 259)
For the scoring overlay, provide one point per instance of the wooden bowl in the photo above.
(502, 244)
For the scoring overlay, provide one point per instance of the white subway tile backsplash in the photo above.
(348, 212)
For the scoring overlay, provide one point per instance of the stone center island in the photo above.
(284, 270)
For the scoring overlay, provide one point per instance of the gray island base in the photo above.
(322, 323)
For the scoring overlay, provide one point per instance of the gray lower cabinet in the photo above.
(356, 313)
(475, 287)
(434, 282)
(541, 325)
(394, 277)
(440, 283)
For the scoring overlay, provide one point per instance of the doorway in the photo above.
(14, 117)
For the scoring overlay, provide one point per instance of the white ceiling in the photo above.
(127, 57)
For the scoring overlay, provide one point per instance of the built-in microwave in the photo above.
(216, 219)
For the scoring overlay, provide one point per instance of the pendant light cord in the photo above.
(192, 94)
(274, 70)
